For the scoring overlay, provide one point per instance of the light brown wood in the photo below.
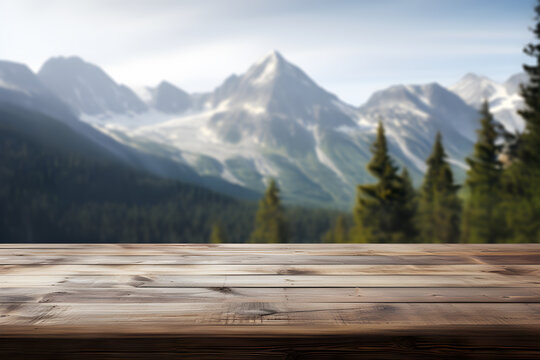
(297, 295)
(270, 259)
(290, 291)
(312, 318)
(235, 269)
(269, 281)
(275, 249)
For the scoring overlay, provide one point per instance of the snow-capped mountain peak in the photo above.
(271, 83)
(267, 69)
(413, 114)
(476, 89)
(422, 99)
(504, 99)
(272, 68)
(271, 95)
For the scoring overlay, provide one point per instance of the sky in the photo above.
(350, 47)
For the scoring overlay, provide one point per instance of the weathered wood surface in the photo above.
(269, 301)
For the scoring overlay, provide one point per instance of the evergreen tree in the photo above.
(530, 147)
(521, 179)
(410, 207)
(217, 235)
(380, 208)
(439, 206)
(481, 221)
(338, 233)
(270, 224)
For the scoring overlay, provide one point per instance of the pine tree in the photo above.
(338, 233)
(530, 154)
(521, 180)
(270, 223)
(381, 207)
(439, 206)
(481, 222)
(217, 236)
(410, 207)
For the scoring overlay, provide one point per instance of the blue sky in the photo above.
(351, 48)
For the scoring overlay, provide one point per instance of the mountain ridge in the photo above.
(273, 120)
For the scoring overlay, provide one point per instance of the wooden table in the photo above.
(301, 301)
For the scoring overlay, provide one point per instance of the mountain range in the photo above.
(271, 121)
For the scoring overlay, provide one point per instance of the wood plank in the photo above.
(298, 295)
(320, 299)
(235, 269)
(322, 281)
(273, 260)
(278, 249)
(308, 318)
(499, 342)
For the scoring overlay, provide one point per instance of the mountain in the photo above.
(275, 121)
(513, 83)
(413, 114)
(87, 88)
(504, 98)
(275, 104)
(272, 121)
(20, 87)
(474, 89)
(169, 99)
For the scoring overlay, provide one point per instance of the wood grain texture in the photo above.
(312, 301)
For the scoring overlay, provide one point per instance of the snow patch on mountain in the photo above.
(12, 87)
(268, 72)
(418, 162)
(323, 157)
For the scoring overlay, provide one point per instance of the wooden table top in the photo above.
(269, 291)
